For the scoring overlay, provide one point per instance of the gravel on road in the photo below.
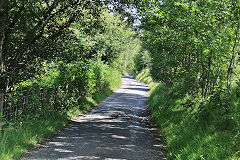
(118, 129)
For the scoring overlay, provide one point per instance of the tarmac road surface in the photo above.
(119, 129)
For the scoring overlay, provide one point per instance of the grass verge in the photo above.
(194, 131)
(17, 140)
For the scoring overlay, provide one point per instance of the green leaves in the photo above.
(191, 42)
(38, 31)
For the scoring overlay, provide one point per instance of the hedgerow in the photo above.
(81, 86)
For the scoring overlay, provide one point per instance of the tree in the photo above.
(192, 43)
(114, 42)
(33, 31)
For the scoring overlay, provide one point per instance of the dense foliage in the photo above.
(192, 132)
(194, 44)
(190, 47)
(72, 51)
(70, 85)
(115, 43)
(80, 87)
(142, 60)
(66, 38)
(57, 30)
(193, 47)
(34, 31)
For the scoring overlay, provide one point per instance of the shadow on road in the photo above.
(120, 128)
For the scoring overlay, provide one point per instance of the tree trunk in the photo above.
(232, 60)
(1, 109)
(3, 20)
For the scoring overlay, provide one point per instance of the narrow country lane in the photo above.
(116, 130)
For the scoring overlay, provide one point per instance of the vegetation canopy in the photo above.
(187, 51)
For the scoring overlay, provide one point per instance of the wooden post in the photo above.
(25, 101)
(1, 109)
(55, 96)
(42, 97)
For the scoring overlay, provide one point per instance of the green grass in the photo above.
(17, 140)
(190, 133)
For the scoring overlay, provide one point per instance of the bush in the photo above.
(80, 86)
(73, 82)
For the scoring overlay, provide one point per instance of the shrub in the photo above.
(79, 85)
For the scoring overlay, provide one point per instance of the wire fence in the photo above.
(20, 105)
